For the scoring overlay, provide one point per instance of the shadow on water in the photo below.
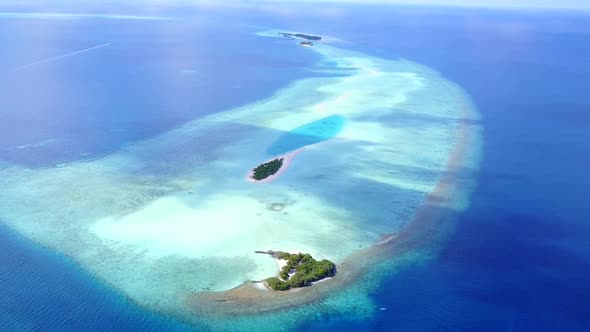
(308, 134)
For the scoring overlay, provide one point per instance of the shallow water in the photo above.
(172, 213)
(147, 232)
(308, 134)
(452, 290)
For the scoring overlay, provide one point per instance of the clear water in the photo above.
(308, 134)
(516, 259)
(148, 80)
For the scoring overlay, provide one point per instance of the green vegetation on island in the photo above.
(265, 170)
(300, 35)
(308, 37)
(300, 271)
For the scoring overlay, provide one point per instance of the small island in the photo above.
(265, 170)
(300, 35)
(306, 44)
(300, 270)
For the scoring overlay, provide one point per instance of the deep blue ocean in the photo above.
(520, 255)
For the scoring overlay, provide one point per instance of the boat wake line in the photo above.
(61, 56)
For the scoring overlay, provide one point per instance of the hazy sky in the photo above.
(40, 4)
(475, 3)
(469, 3)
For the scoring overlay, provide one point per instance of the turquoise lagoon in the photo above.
(172, 216)
(308, 134)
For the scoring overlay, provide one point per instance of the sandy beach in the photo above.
(282, 262)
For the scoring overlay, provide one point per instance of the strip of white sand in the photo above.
(282, 262)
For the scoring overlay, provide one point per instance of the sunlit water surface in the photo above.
(115, 127)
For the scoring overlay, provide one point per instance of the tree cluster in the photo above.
(300, 35)
(265, 170)
(306, 270)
